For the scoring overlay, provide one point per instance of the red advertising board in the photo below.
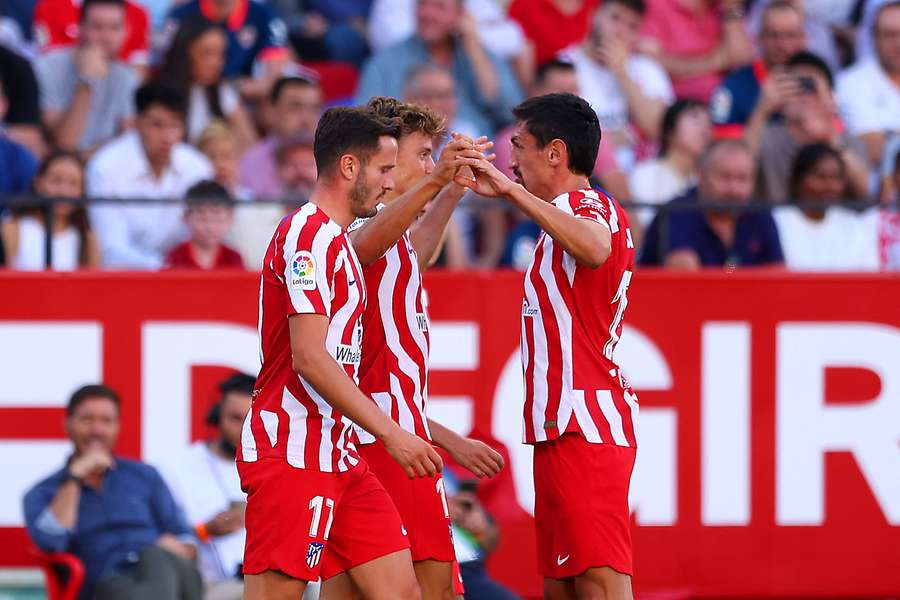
(769, 461)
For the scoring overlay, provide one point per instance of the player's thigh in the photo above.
(603, 583)
(435, 579)
(390, 577)
(272, 585)
(559, 589)
(340, 587)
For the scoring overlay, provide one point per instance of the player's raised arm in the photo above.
(586, 240)
(379, 233)
(312, 362)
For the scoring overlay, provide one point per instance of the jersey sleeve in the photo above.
(592, 206)
(273, 36)
(308, 274)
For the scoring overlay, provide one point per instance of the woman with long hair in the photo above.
(193, 65)
(816, 233)
(685, 133)
(75, 246)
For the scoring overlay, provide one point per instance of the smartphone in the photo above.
(807, 84)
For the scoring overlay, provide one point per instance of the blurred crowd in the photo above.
(736, 133)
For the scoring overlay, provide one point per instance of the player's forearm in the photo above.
(443, 437)
(576, 236)
(318, 368)
(426, 234)
(383, 230)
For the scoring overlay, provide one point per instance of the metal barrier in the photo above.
(46, 205)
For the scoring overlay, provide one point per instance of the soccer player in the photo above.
(313, 506)
(579, 410)
(394, 248)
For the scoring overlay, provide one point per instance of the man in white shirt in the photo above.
(204, 482)
(623, 87)
(869, 91)
(148, 163)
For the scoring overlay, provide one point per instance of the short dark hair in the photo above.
(285, 82)
(240, 383)
(86, 392)
(414, 118)
(805, 58)
(551, 65)
(568, 118)
(354, 130)
(806, 160)
(638, 6)
(86, 4)
(159, 94)
(670, 120)
(207, 192)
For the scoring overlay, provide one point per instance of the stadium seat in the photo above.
(63, 572)
(337, 79)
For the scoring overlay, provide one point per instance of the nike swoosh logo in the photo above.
(561, 559)
(352, 282)
(403, 529)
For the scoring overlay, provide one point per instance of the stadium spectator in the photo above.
(193, 66)
(74, 245)
(822, 22)
(869, 91)
(296, 106)
(781, 36)
(552, 25)
(205, 483)
(393, 21)
(628, 91)
(825, 238)
(86, 91)
(255, 35)
(208, 215)
(475, 535)
(889, 226)
(223, 149)
(22, 122)
(433, 86)
(57, 24)
(696, 41)
(486, 89)
(810, 116)
(322, 30)
(864, 42)
(685, 134)
(115, 514)
(296, 169)
(699, 236)
(19, 165)
(145, 164)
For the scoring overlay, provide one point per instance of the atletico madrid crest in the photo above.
(314, 554)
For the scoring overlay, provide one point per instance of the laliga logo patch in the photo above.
(314, 554)
(303, 271)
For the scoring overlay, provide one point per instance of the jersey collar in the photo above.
(235, 20)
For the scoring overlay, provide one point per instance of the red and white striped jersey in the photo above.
(394, 367)
(310, 268)
(571, 322)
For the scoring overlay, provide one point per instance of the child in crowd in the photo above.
(208, 216)
(221, 146)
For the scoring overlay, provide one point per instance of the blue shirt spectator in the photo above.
(116, 515)
(733, 102)
(19, 166)
(446, 37)
(131, 511)
(755, 242)
(255, 32)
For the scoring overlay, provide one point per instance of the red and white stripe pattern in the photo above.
(310, 268)
(394, 369)
(571, 321)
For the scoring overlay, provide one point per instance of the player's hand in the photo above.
(487, 180)
(91, 462)
(477, 457)
(460, 146)
(227, 521)
(414, 454)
